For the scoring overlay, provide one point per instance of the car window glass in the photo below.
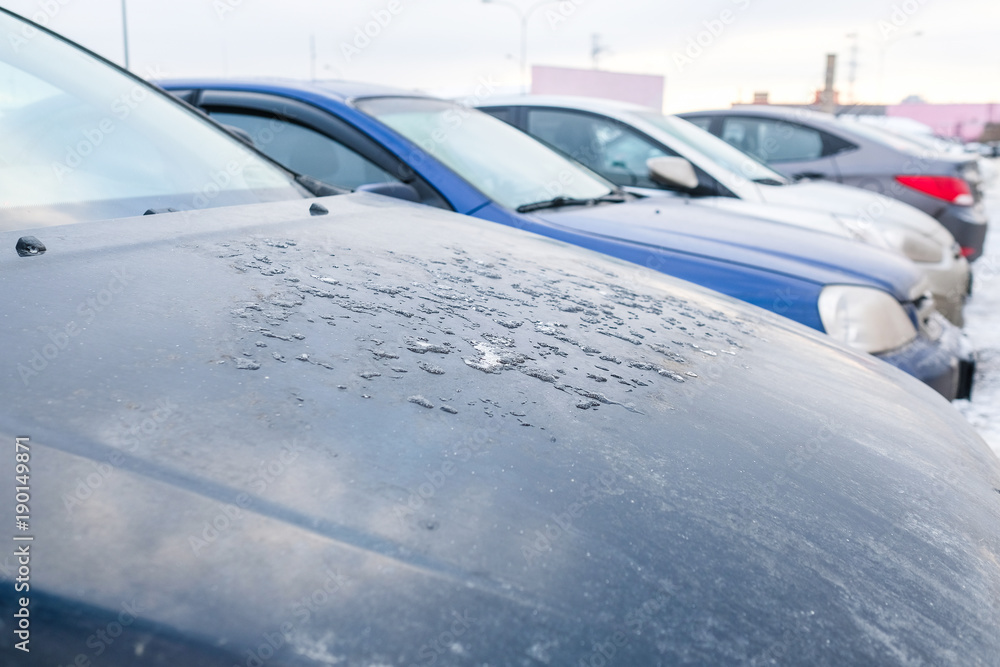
(703, 122)
(506, 114)
(306, 151)
(611, 149)
(502, 162)
(772, 140)
(884, 136)
(722, 154)
(83, 141)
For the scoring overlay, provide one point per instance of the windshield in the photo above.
(505, 164)
(882, 136)
(83, 141)
(714, 148)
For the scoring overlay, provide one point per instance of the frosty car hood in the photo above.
(393, 435)
(856, 203)
(714, 232)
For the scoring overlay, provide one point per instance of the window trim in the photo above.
(708, 185)
(324, 122)
(827, 139)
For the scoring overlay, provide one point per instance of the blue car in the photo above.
(449, 155)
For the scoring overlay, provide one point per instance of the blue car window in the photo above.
(306, 151)
(611, 149)
(500, 161)
(772, 140)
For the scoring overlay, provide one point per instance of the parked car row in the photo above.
(257, 419)
(615, 140)
(868, 295)
(808, 144)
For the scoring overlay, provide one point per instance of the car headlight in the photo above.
(865, 318)
(916, 247)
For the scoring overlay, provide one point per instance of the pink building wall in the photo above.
(965, 121)
(644, 89)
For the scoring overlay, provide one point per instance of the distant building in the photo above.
(643, 89)
(967, 122)
(960, 121)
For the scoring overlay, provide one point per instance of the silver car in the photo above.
(808, 144)
(617, 139)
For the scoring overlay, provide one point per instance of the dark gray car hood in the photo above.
(389, 435)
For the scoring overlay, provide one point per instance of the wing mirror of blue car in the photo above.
(672, 172)
(240, 134)
(395, 190)
(809, 176)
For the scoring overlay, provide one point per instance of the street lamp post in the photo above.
(524, 17)
(125, 32)
(881, 61)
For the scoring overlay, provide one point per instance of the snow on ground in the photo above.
(982, 326)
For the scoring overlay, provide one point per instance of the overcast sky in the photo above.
(448, 46)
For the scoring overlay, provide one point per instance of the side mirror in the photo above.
(674, 172)
(240, 134)
(402, 191)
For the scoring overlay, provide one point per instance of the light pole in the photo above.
(125, 32)
(524, 17)
(881, 61)
(852, 72)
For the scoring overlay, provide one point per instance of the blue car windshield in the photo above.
(714, 148)
(505, 164)
(84, 141)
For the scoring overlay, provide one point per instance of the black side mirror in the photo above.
(809, 176)
(240, 134)
(396, 190)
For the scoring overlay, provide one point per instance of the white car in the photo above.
(618, 139)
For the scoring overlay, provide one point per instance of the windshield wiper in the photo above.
(556, 202)
(768, 181)
(318, 188)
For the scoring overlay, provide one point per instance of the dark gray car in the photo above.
(356, 431)
(806, 144)
(375, 433)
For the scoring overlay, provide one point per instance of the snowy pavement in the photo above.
(982, 325)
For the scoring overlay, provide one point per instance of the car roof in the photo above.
(340, 90)
(572, 101)
(767, 110)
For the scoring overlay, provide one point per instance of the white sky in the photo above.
(447, 46)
